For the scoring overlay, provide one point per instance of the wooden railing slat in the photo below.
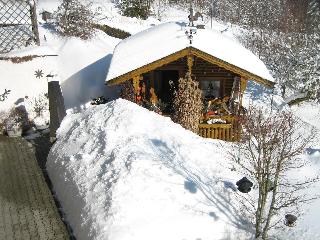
(225, 131)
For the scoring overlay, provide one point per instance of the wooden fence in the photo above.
(229, 131)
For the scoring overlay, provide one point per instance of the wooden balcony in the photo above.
(229, 131)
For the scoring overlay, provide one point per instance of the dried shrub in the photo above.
(113, 32)
(39, 105)
(188, 104)
(74, 19)
(127, 91)
(16, 118)
(3, 116)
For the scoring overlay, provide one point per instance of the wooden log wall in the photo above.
(203, 70)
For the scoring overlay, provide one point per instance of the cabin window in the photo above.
(211, 88)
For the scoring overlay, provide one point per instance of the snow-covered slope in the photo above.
(123, 172)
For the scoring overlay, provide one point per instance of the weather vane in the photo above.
(191, 30)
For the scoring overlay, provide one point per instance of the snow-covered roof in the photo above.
(166, 39)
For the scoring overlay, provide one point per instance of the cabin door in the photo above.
(166, 81)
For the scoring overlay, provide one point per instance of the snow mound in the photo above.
(123, 172)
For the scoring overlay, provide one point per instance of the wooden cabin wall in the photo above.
(203, 70)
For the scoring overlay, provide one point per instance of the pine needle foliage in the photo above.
(135, 8)
(188, 104)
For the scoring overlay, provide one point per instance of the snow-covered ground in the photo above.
(123, 172)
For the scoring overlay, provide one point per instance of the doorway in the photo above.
(166, 82)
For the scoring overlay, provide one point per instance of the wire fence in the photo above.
(18, 24)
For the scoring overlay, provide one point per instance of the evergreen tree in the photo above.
(134, 8)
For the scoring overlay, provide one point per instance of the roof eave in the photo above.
(182, 53)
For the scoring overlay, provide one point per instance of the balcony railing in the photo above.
(229, 131)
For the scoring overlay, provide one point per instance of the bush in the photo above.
(127, 91)
(16, 119)
(188, 104)
(40, 105)
(74, 19)
(113, 32)
(3, 116)
(134, 8)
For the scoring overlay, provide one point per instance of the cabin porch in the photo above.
(222, 94)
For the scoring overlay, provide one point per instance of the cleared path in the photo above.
(27, 208)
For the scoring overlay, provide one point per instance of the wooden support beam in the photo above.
(243, 86)
(190, 61)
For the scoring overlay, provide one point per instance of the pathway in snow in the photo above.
(27, 208)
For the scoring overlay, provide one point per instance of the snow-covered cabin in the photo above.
(156, 58)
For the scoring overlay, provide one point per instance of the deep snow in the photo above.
(123, 172)
(161, 199)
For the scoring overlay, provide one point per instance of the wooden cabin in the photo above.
(153, 61)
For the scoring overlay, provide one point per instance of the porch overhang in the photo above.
(186, 52)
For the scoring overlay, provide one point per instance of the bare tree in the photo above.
(4, 95)
(270, 150)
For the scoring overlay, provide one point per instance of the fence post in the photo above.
(56, 107)
(34, 21)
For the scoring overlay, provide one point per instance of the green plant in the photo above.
(133, 8)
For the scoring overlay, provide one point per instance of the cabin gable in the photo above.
(189, 51)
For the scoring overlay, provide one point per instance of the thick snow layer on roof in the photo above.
(165, 39)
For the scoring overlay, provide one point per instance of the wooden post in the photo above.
(137, 90)
(243, 86)
(56, 107)
(190, 63)
(34, 21)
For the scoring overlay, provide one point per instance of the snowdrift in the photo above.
(123, 172)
